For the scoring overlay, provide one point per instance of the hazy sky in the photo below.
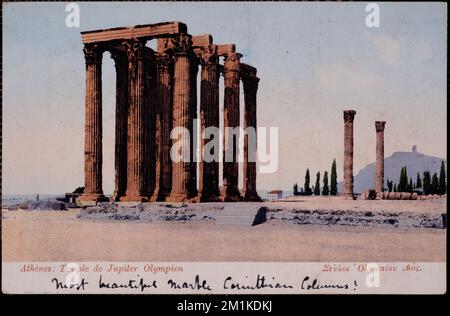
(314, 60)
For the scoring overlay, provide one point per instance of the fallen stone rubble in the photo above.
(150, 212)
(358, 218)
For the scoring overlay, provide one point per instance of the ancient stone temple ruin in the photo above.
(156, 91)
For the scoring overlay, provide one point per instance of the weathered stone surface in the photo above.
(349, 116)
(154, 212)
(231, 70)
(155, 93)
(250, 84)
(136, 183)
(139, 31)
(46, 206)
(379, 170)
(182, 117)
(163, 175)
(120, 152)
(93, 125)
(150, 109)
(192, 179)
(208, 184)
(357, 218)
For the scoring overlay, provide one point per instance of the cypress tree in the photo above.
(317, 185)
(434, 184)
(333, 184)
(426, 182)
(325, 190)
(307, 188)
(395, 187)
(410, 185)
(403, 181)
(418, 181)
(399, 187)
(442, 182)
(295, 189)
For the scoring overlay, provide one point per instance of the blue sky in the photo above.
(314, 60)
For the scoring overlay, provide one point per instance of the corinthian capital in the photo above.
(135, 49)
(349, 115)
(93, 53)
(379, 126)
(208, 56)
(232, 62)
(166, 45)
(183, 43)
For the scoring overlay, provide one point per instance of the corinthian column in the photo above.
(231, 69)
(194, 62)
(93, 125)
(250, 84)
(379, 173)
(120, 155)
(163, 175)
(349, 115)
(150, 139)
(136, 190)
(182, 120)
(208, 188)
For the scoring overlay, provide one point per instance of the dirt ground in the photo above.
(60, 236)
(437, 205)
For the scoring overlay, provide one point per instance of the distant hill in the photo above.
(414, 161)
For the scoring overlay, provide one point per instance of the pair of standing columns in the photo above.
(140, 98)
(133, 97)
(349, 116)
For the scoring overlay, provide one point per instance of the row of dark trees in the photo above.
(428, 184)
(326, 189)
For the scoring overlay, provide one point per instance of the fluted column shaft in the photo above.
(181, 170)
(231, 119)
(136, 189)
(93, 125)
(193, 115)
(208, 184)
(379, 172)
(163, 174)
(250, 90)
(150, 142)
(120, 152)
(349, 116)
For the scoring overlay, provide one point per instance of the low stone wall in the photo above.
(357, 218)
(371, 195)
(408, 196)
(150, 212)
(46, 205)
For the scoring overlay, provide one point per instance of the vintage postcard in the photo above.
(224, 148)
